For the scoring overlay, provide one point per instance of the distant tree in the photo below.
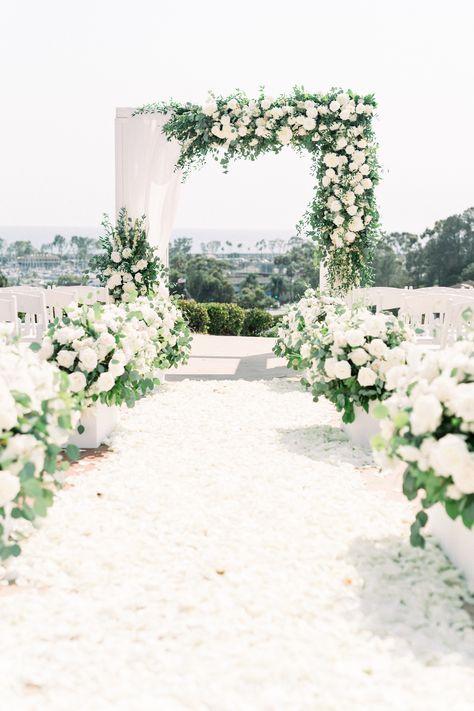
(254, 297)
(59, 244)
(213, 246)
(467, 273)
(3, 280)
(20, 248)
(299, 269)
(3, 245)
(203, 279)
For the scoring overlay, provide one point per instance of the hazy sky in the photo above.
(66, 65)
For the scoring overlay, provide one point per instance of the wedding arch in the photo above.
(158, 144)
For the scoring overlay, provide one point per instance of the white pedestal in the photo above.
(98, 421)
(455, 539)
(361, 431)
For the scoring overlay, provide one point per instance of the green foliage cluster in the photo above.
(225, 319)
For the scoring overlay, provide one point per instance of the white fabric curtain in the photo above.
(146, 180)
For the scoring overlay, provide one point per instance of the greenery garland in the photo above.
(336, 129)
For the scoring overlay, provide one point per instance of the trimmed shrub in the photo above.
(225, 319)
(195, 314)
(257, 322)
(235, 319)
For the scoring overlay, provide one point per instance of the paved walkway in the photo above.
(231, 358)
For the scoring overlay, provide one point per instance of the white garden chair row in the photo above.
(439, 313)
(40, 306)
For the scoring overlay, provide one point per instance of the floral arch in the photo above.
(335, 128)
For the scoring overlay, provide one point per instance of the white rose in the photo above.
(426, 414)
(88, 359)
(366, 183)
(408, 453)
(284, 135)
(305, 350)
(350, 237)
(105, 382)
(115, 257)
(9, 487)
(450, 456)
(342, 369)
(127, 252)
(338, 220)
(243, 130)
(461, 401)
(355, 337)
(266, 103)
(138, 277)
(66, 358)
(334, 106)
(377, 348)
(366, 377)
(8, 413)
(356, 224)
(359, 357)
(209, 108)
(46, 350)
(330, 366)
(77, 381)
(311, 112)
(116, 369)
(309, 124)
(341, 143)
(331, 160)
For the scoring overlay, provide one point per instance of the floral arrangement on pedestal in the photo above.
(114, 352)
(336, 129)
(300, 324)
(36, 418)
(350, 355)
(129, 264)
(428, 431)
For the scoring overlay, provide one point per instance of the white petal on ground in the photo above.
(234, 560)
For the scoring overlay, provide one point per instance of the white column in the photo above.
(146, 181)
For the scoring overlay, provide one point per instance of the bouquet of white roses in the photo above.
(350, 355)
(300, 324)
(164, 325)
(129, 264)
(106, 356)
(428, 430)
(36, 418)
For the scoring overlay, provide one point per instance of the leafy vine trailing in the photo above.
(336, 129)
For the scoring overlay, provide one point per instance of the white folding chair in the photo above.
(9, 312)
(426, 313)
(57, 301)
(459, 320)
(34, 319)
(90, 294)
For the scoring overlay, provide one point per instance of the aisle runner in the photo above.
(228, 557)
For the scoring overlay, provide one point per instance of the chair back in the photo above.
(9, 312)
(34, 320)
(57, 301)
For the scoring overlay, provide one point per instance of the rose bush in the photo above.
(427, 431)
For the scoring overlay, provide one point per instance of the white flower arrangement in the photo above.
(350, 355)
(336, 128)
(129, 265)
(428, 431)
(36, 417)
(299, 324)
(114, 352)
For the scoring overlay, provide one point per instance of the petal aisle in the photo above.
(228, 555)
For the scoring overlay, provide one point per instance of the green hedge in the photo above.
(257, 321)
(225, 319)
(220, 319)
(195, 314)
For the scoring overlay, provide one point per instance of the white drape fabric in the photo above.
(147, 182)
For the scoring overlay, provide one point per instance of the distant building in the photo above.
(38, 261)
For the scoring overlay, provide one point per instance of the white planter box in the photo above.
(455, 539)
(98, 421)
(361, 431)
